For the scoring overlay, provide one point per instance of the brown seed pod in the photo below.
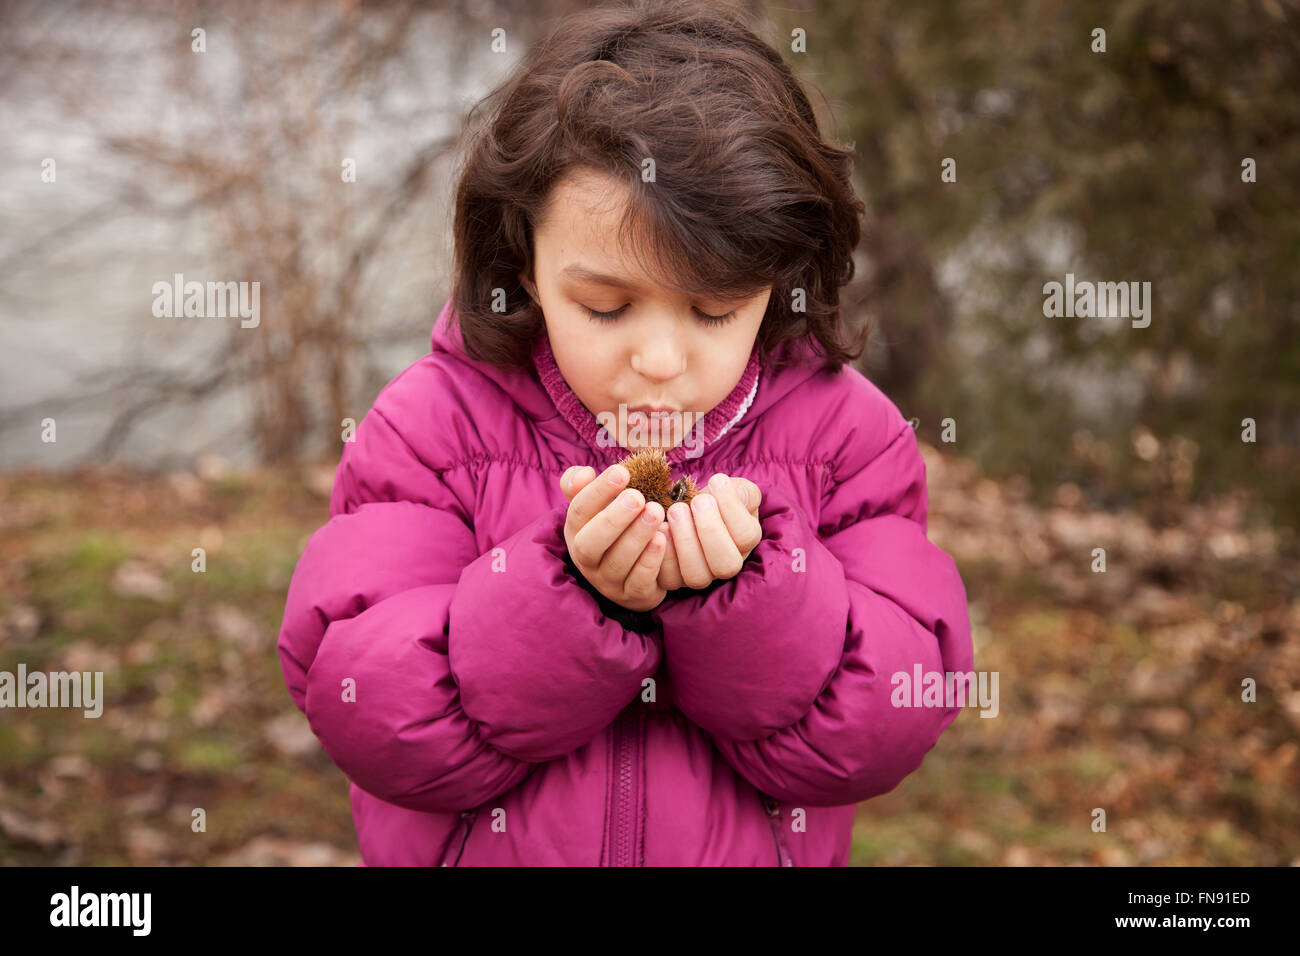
(654, 479)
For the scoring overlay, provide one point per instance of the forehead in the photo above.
(580, 239)
(584, 193)
(579, 233)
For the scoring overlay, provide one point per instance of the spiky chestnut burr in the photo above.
(654, 479)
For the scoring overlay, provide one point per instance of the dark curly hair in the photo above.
(746, 193)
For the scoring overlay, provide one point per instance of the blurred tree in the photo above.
(250, 140)
(1123, 165)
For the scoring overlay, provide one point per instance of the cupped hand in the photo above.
(710, 538)
(614, 538)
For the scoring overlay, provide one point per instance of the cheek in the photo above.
(586, 368)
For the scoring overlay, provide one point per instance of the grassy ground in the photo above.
(1118, 690)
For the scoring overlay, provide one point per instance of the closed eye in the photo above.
(604, 316)
(611, 317)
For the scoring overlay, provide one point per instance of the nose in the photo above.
(658, 355)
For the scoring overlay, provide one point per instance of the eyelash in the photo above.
(609, 318)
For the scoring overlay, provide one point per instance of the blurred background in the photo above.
(133, 149)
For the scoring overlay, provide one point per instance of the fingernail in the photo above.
(617, 475)
(718, 481)
(677, 513)
(703, 502)
(649, 516)
(629, 499)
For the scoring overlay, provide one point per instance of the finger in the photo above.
(670, 575)
(752, 494)
(580, 477)
(642, 580)
(719, 550)
(743, 527)
(623, 554)
(593, 499)
(600, 533)
(690, 555)
(575, 478)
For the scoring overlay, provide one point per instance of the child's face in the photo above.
(660, 350)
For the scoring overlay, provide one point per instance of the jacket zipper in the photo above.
(773, 810)
(462, 835)
(627, 741)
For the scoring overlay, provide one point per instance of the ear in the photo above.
(527, 283)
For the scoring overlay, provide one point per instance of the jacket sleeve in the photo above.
(433, 675)
(789, 665)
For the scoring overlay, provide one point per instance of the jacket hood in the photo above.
(531, 394)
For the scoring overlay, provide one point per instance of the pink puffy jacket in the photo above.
(491, 708)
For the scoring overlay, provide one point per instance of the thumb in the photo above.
(573, 480)
(753, 496)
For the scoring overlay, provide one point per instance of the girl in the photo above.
(516, 659)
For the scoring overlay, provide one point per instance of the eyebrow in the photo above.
(583, 274)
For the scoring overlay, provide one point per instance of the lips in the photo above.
(650, 409)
